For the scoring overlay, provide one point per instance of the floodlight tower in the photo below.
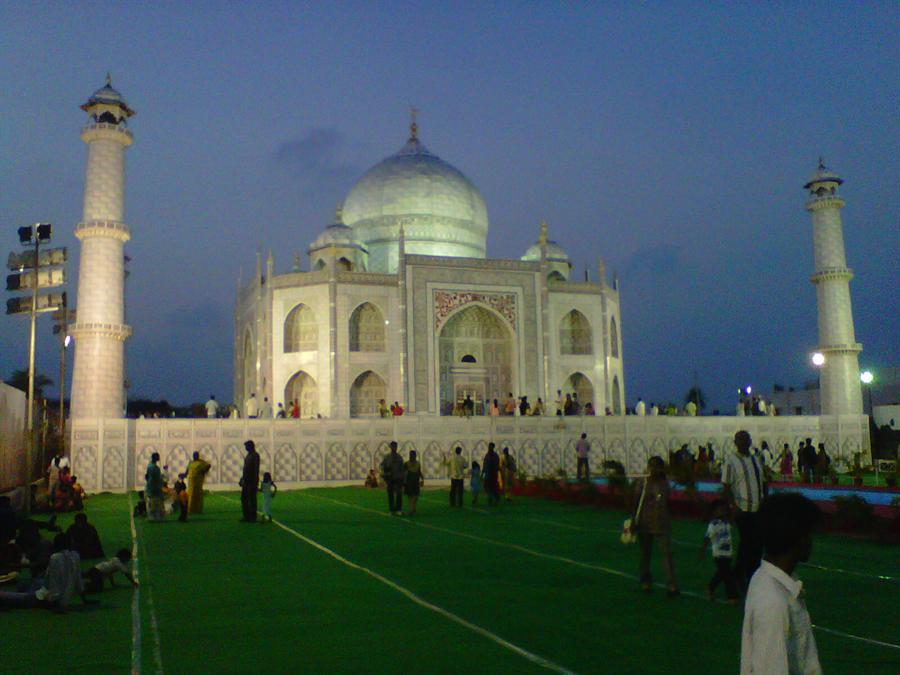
(839, 389)
(98, 380)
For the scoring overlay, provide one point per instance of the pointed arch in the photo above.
(367, 329)
(579, 383)
(616, 396)
(575, 334)
(303, 389)
(613, 338)
(365, 393)
(301, 332)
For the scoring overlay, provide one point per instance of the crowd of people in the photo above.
(774, 532)
(39, 572)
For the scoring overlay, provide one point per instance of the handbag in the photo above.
(629, 536)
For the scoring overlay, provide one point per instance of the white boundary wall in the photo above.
(112, 454)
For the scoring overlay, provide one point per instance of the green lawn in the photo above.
(527, 586)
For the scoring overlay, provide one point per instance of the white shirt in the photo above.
(211, 407)
(456, 466)
(745, 477)
(63, 579)
(640, 408)
(265, 410)
(251, 407)
(654, 411)
(719, 534)
(111, 566)
(777, 637)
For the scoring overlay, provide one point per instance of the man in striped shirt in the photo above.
(744, 486)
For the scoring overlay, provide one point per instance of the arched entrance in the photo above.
(578, 383)
(302, 388)
(365, 393)
(476, 355)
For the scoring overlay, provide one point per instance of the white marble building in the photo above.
(402, 303)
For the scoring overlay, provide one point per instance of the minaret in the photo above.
(840, 389)
(98, 382)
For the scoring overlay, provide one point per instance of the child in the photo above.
(107, 570)
(181, 497)
(475, 482)
(269, 490)
(78, 494)
(787, 464)
(718, 537)
(372, 479)
(140, 509)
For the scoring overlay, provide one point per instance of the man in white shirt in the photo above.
(640, 409)
(744, 486)
(654, 410)
(265, 410)
(456, 469)
(251, 407)
(211, 407)
(777, 637)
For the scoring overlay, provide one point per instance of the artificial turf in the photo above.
(549, 578)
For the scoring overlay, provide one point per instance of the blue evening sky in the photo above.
(672, 139)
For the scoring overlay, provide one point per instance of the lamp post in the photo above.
(866, 377)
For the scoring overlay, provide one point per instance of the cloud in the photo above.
(320, 159)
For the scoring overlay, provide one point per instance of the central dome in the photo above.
(441, 211)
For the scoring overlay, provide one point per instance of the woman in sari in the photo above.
(196, 474)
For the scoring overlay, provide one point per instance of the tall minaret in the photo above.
(98, 382)
(840, 389)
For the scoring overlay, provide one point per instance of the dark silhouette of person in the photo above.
(250, 482)
(85, 538)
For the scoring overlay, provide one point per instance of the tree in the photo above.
(695, 394)
(19, 380)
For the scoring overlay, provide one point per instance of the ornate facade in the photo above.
(401, 303)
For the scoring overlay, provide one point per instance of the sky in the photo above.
(670, 139)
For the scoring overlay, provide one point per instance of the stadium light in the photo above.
(818, 359)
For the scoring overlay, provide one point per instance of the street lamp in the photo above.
(866, 377)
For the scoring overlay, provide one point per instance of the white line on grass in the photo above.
(493, 637)
(136, 608)
(680, 542)
(135, 598)
(578, 563)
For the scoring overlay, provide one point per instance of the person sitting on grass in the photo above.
(372, 479)
(85, 538)
(777, 637)
(651, 517)
(140, 509)
(78, 494)
(718, 538)
(61, 583)
(269, 490)
(106, 571)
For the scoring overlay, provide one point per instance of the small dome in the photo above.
(441, 211)
(106, 95)
(823, 175)
(336, 234)
(555, 252)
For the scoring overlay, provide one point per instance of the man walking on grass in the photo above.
(394, 475)
(456, 468)
(249, 482)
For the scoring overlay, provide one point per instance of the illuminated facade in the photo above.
(401, 303)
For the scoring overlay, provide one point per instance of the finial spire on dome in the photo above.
(821, 163)
(543, 237)
(339, 213)
(413, 127)
(108, 79)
